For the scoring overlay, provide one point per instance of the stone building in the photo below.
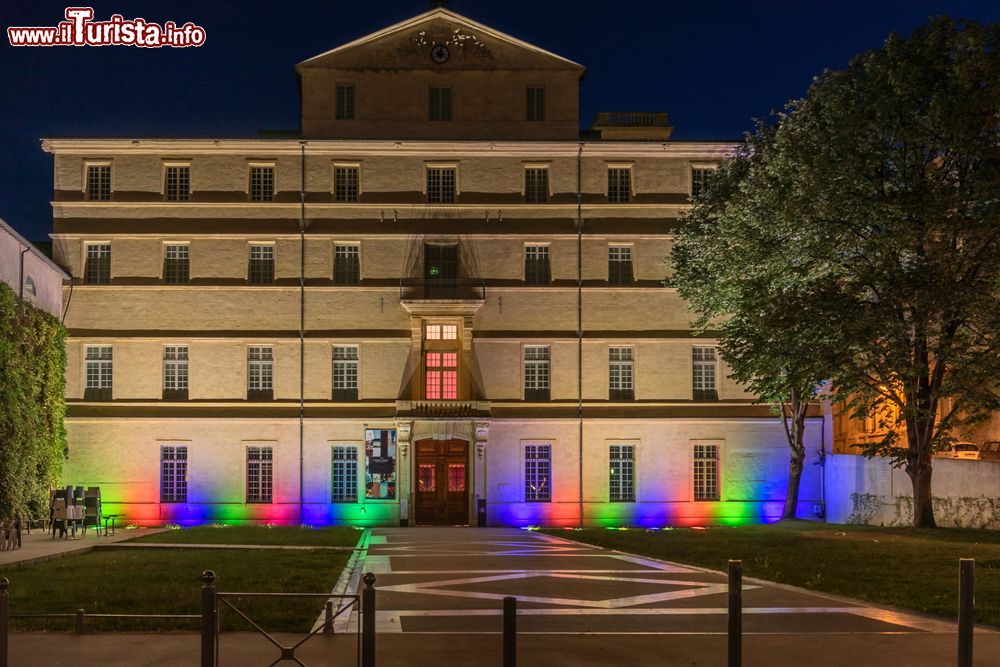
(30, 273)
(439, 302)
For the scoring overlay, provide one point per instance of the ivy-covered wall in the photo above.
(32, 406)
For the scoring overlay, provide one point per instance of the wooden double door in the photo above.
(442, 483)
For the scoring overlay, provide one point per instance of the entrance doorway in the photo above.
(442, 493)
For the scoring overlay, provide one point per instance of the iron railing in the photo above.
(442, 289)
(630, 119)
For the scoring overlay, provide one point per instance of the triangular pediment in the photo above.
(410, 44)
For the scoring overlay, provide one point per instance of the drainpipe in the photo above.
(302, 328)
(20, 293)
(579, 318)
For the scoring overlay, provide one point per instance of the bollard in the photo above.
(966, 606)
(78, 622)
(509, 631)
(4, 619)
(368, 622)
(735, 613)
(209, 617)
(328, 618)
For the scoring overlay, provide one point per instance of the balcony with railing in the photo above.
(445, 409)
(632, 125)
(442, 289)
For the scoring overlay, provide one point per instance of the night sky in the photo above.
(712, 65)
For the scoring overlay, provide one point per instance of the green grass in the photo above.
(333, 536)
(906, 568)
(161, 581)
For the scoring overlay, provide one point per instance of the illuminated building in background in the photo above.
(439, 302)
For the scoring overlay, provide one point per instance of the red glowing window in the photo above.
(441, 376)
(425, 479)
(456, 477)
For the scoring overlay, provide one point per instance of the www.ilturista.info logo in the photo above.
(79, 29)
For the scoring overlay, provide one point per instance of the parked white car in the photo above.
(960, 450)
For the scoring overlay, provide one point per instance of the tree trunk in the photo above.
(923, 507)
(794, 480)
(795, 432)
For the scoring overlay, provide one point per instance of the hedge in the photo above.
(32, 406)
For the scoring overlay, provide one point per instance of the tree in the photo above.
(890, 170)
(728, 262)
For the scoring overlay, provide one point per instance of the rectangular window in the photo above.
(173, 474)
(536, 265)
(703, 359)
(441, 332)
(260, 467)
(699, 179)
(261, 264)
(345, 372)
(99, 373)
(441, 376)
(346, 264)
(345, 101)
(621, 479)
(99, 182)
(536, 185)
(176, 264)
(440, 103)
(536, 103)
(620, 265)
(175, 372)
(98, 268)
(619, 185)
(620, 384)
(537, 473)
(706, 472)
(344, 474)
(178, 182)
(261, 183)
(536, 372)
(346, 182)
(260, 373)
(440, 185)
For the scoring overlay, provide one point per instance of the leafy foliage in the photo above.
(32, 405)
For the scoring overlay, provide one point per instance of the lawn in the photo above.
(161, 581)
(906, 568)
(333, 536)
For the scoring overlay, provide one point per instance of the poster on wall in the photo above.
(380, 464)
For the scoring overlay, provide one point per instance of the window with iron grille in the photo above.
(536, 265)
(99, 373)
(99, 182)
(345, 183)
(703, 359)
(178, 182)
(98, 268)
(441, 376)
(261, 264)
(440, 185)
(176, 264)
(347, 264)
(706, 472)
(345, 372)
(260, 372)
(175, 372)
(344, 474)
(173, 474)
(259, 474)
(619, 184)
(536, 372)
(537, 473)
(699, 180)
(261, 183)
(536, 103)
(440, 103)
(536, 185)
(620, 385)
(620, 265)
(345, 101)
(621, 480)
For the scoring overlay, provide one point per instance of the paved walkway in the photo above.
(439, 599)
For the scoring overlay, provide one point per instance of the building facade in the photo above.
(438, 303)
(30, 273)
